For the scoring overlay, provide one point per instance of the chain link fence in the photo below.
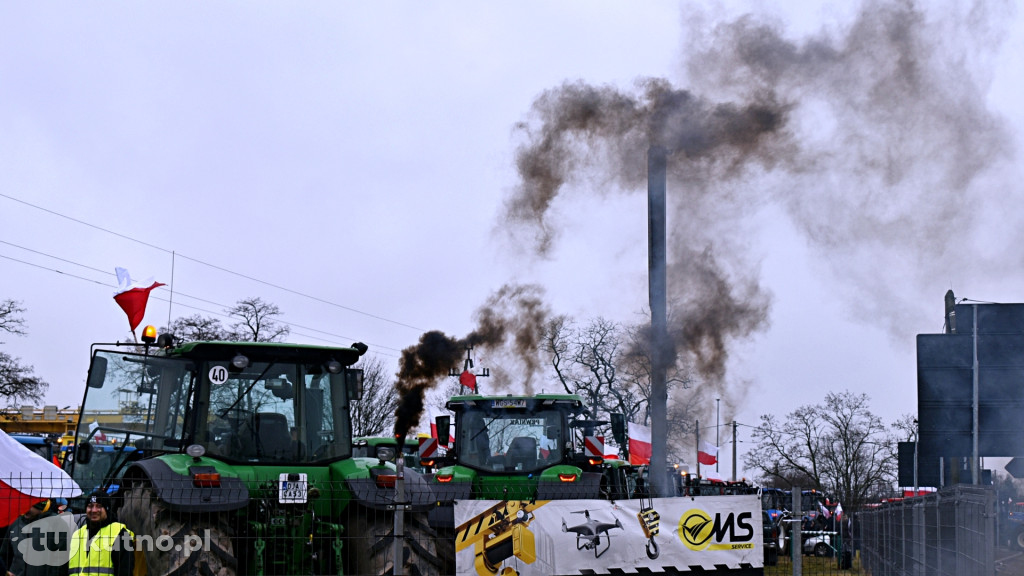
(950, 532)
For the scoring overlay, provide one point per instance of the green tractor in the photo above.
(517, 447)
(236, 458)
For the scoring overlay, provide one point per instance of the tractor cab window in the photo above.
(510, 440)
(277, 412)
(133, 401)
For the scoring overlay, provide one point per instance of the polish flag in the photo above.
(639, 443)
(839, 511)
(99, 436)
(27, 478)
(708, 453)
(132, 296)
(546, 444)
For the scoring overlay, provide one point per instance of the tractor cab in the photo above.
(520, 446)
(239, 402)
(513, 434)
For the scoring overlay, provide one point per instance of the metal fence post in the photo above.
(797, 547)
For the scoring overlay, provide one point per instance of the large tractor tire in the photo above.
(371, 545)
(445, 546)
(167, 554)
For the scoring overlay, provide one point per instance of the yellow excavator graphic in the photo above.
(499, 533)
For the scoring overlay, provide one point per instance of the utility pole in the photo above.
(734, 450)
(661, 348)
(718, 426)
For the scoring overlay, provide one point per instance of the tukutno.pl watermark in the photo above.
(50, 542)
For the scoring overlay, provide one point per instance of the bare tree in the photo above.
(256, 322)
(840, 447)
(610, 366)
(374, 415)
(197, 328)
(585, 362)
(17, 382)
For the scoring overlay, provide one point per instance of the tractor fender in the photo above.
(179, 493)
(365, 489)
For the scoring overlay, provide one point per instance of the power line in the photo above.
(215, 267)
(289, 324)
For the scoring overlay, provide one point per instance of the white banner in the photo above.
(564, 537)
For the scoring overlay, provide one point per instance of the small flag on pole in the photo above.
(708, 453)
(132, 297)
(98, 435)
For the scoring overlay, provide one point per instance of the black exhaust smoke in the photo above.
(513, 318)
(871, 139)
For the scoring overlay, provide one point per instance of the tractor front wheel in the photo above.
(178, 543)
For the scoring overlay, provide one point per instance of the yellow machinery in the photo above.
(45, 420)
(497, 534)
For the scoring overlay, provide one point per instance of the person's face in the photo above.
(95, 513)
(33, 513)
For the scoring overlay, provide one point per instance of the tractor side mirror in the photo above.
(83, 453)
(97, 372)
(619, 429)
(354, 384)
(444, 424)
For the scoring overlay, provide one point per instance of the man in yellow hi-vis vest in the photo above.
(103, 547)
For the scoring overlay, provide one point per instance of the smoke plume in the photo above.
(512, 318)
(872, 137)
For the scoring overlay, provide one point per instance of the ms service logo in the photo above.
(699, 531)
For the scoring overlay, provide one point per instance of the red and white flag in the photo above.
(27, 478)
(708, 453)
(839, 511)
(639, 443)
(132, 297)
(98, 435)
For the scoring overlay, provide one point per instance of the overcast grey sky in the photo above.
(361, 157)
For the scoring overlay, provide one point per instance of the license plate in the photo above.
(292, 491)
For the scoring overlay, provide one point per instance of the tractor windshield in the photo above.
(277, 412)
(511, 440)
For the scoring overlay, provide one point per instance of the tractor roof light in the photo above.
(334, 367)
(240, 362)
(149, 334)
